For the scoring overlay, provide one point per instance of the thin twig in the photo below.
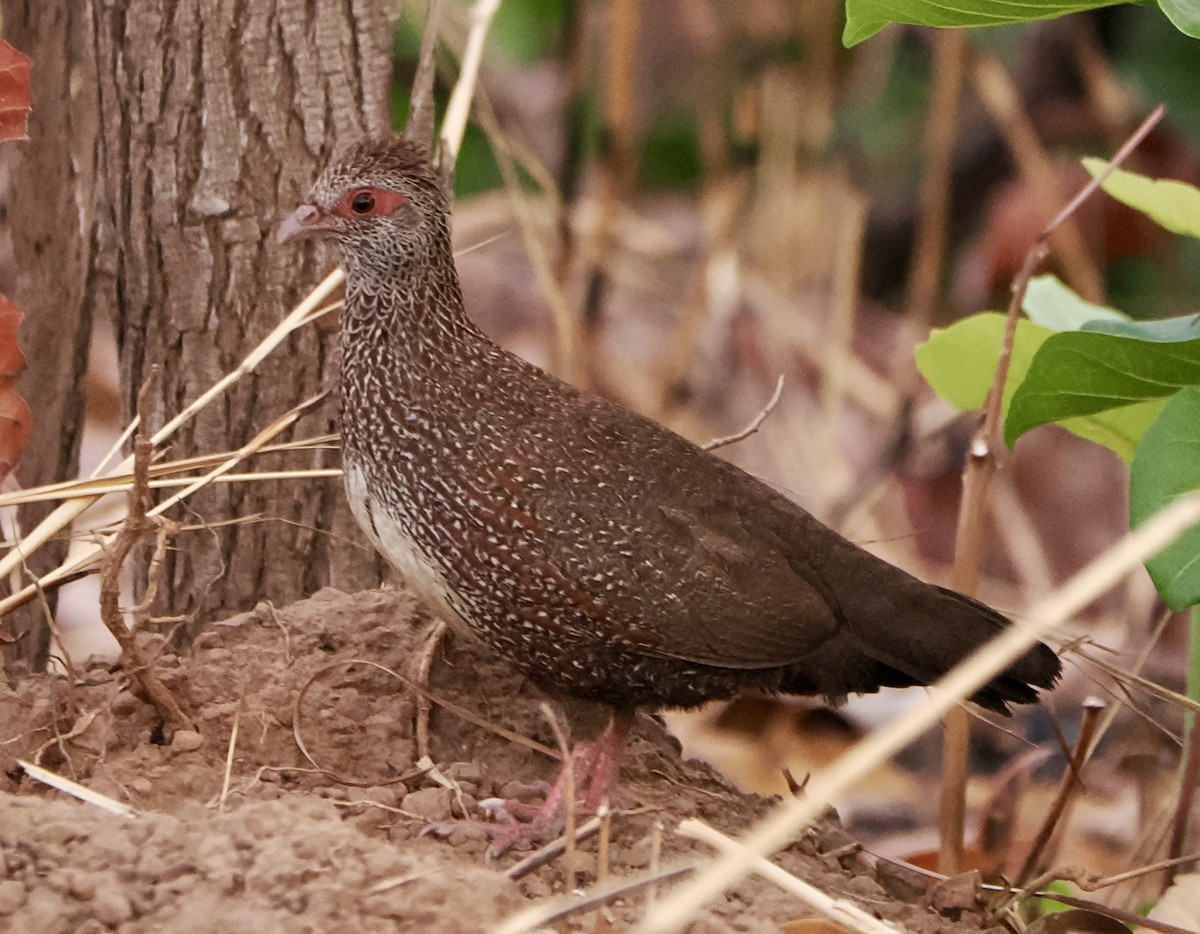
(137, 525)
(1072, 779)
(1117, 914)
(424, 670)
(1189, 773)
(755, 423)
(420, 99)
(233, 738)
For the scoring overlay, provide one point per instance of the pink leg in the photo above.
(596, 763)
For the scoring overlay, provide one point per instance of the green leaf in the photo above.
(1117, 429)
(1085, 373)
(1053, 305)
(864, 18)
(1185, 14)
(1166, 465)
(960, 361)
(1166, 331)
(1173, 204)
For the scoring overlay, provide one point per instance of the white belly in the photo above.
(423, 575)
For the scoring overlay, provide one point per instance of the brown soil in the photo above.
(294, 849)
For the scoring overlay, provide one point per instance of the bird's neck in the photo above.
(408, 310)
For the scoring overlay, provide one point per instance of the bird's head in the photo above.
(378, 199)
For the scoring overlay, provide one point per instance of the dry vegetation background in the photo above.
(679, 204)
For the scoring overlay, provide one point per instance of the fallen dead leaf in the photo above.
(15, 96)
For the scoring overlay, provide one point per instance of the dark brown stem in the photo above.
(982, 460)
(135, 527)
(1071, 781)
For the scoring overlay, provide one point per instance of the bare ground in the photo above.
(295, 849)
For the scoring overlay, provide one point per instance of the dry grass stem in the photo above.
(568, 779)
(75, 790)
(543, 271)
(551, 851)
(840, 911)
(539, 915)
(233, 738)
(454, 124)
(960, 682)
(87, 556)
(65, 514)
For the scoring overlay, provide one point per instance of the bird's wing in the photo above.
(684, 550)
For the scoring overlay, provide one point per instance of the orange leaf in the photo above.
(12, 361)
(15, 425)
(15, 97)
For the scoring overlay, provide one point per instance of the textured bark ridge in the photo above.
(210, 117)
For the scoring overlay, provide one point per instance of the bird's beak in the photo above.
(305, 221)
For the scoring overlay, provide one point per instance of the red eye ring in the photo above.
(362, 202)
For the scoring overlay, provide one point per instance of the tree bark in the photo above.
(213, 117)
(53, 221)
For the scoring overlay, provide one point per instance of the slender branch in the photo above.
(420, 100)
(986, 449)
(755, 423)
(1072, 780)
(137, 525)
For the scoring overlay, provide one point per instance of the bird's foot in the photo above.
(509, 824)
(518, 824)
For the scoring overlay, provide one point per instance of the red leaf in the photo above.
(15, 425)
(15, 97)
(12, 361)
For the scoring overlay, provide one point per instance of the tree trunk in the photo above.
(213, 118)
(53, 220)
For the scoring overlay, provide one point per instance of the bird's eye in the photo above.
(363, 202)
